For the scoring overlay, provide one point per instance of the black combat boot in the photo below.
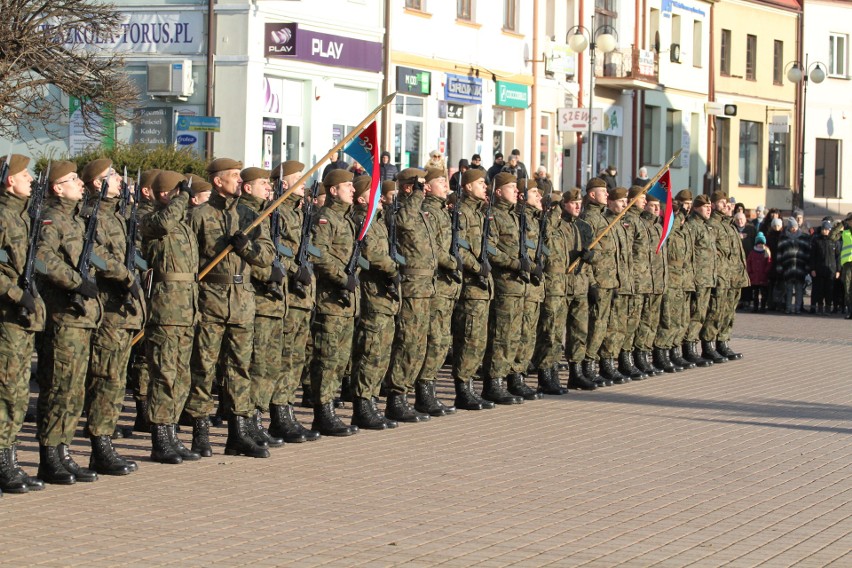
(388, 422)
(691, 355)
(364, 415)
(327, 423)
(467, 399)
(201, 437)
(266, 439)
(610, 373)
(708, 351)
(556, 378)
(677, 360)
(307, 396)
(515, 384)
(426, 400)
(183, 451)
(590, 371)
(493, 390)
(346, 389)
(549, 383)
(162, 450)
(723, 349)
(141, 423)
(241, 440)
(51, 468)
(397, 408)
(627, 368)
(661, 360)
(283, 424)
(577, 379)
(12, 478)
(82, 474)
(640, 360)
(104, 458)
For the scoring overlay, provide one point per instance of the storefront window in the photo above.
(779, 152)
(544, 142)
(408, 132)
(504, 131)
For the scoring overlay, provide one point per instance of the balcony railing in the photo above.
(629, 63)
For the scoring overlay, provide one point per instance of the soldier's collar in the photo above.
(13, 202)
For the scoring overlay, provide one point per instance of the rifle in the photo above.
(393, 247)
(85, 263)
(305, 272)
(485, 248)
(523, 254)
(456, 242)
(34, 211)
(4, 170)
(274, 288)
(132, 260)
(541, 250)
(351, 269)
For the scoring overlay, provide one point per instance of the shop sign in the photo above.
(512, 95)
(463, 89)
(288, 40)
(413, 81)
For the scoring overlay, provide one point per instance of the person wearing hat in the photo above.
(387, 169)
(337, 301)
(495, 168)
(791, 263)
(22, 315)
(436, 161)
(227, 308)
(442, 304)
(171, 248)
(199, 191)
(470, 318)
(842, 231)
(123, 316)
(825, 269)
(417, 243)
(476, 162)
(374, 330)
(514, 167)
(759, 267)
(300, 304)
(68, 330)
(609, 176)
(731, 278)
(455, 182)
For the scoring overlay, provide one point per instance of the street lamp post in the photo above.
(604, 38)
(798, 73)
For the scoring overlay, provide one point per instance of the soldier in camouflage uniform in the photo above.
(66, 343)
(270, 308)
(338, 300)
(643, 344)
(121, 295)
(416, 234)
(171, 249)
(226, 303)
(300, 302)
(470, 318)
(374, 330)
(22, 314)
(441, 305)
(704, 266)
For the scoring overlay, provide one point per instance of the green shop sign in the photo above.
(512, 95)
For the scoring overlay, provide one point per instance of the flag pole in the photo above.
(618, 217)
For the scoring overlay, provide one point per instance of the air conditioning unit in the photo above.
(170, 79)
(675, 53)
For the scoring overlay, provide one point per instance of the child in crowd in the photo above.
(759, 266)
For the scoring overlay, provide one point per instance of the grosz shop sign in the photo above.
(463, 89)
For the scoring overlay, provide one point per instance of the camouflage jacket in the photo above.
(113, 284)
(14, 241)
(334, 233)
(604, 261)
(59, 248)
(225, 294)
(703, 251)
(558, 242)
(678, 249)
(641, 250)
(376, 282)
(265, 303)
(291, 236)
(658, 264)
(730, 256)
(471, 217)
(171, 249)
(416, 234)
(623, 240)
(146, 206)
(534, 292)
(445, 286)
(505, 237)
(579, 235)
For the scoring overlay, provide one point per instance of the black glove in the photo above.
(351, 282)
(183, 187)
(87, 288)
(303, 275)
(27, 301)
(135, 289)
(594, 294)
(239, 241)
(277, 274)
(587, 255)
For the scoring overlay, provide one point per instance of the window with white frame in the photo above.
(837, 65)
(510, 15)
(544, 141)
(750, 134)
(504, 131)
(414, 4)
(464, 10)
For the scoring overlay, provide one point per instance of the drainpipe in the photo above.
(579, 158)
(534, 127)
(711, 96)
(211, 47)
(388, 112)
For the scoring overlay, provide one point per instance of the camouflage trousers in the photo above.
(727, 325)
(631, 323)
(577, 329)
(616, 328)
(370, 354)
(504, 324)
(599, 312)
(649, 321)
(63, 363)
(332, 348)
(551, 327)
(440, 337)
(294, 355)
(529, 331)
(409, 346)
(470, 337)
(168, 367)
(720, 314)
(107, 378)
(228, 348)
(699, 303)
(140, 378)
(265, 368)
(846, 279)
(671, 328)
(305, 377)
(16, 351)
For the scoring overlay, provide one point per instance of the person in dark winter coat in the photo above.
(825, 268)
(776, 282)
(759, 268)
(792, 264)
(610, 177)
(388, 170)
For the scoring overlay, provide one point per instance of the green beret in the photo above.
(388, 186)
(94, 169)
(572, 194)
(336, 177)
(593, 183)
(287, 168)
(223, 164)
(199, 184)
(59, 170)
(147, 177)
(251, 174)
(166, 181)
(409, 174)
(434, 173)
(504, 178)
(652, 198)
(616, 193)
(527, 184)
(718, 196)
(17, 163)
(471, 176)
(634, 191)
(683, 195)
(700, 200)
(362, 185)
